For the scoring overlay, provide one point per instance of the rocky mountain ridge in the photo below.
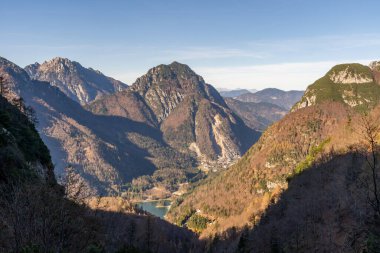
(107, 151)
(284, 99)
(171, 119)
(189, 112)
(77, 82)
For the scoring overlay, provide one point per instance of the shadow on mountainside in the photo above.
(133, 148)
(324, 209)
(111, 130)
(36, 217)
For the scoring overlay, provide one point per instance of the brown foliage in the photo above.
(240, 195)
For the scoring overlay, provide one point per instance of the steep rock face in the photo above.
(190, 113)
(353, 84)
(78, 83)
(257, 116)
(285, 99)
(107, 151)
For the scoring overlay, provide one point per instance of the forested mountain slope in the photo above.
(241, 194)
(314, 158)
(354, 84)
(37, 215)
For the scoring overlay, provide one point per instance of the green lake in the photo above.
(157, 208)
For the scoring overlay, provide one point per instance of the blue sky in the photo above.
(247, 44)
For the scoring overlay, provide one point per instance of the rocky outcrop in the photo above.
(353, 84)
(349, 75)
(78, 83)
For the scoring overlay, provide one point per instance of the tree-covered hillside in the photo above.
(38, 215)
(353, 84)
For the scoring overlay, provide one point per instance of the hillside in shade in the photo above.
(243, 191)
(169, 120)
(107, 151)
(38, 215)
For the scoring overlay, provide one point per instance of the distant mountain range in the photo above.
(234, 93)
(260, 109)
(256, 115)
(285, 99)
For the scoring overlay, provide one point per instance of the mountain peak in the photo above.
(59, 59)
(175, 76)
(79, 83)
(350, 73)
(62, 64)
(174, 63)
(174, 70)
(190, 113)
(353, 84)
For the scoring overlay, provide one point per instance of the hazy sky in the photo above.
(247, 44)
